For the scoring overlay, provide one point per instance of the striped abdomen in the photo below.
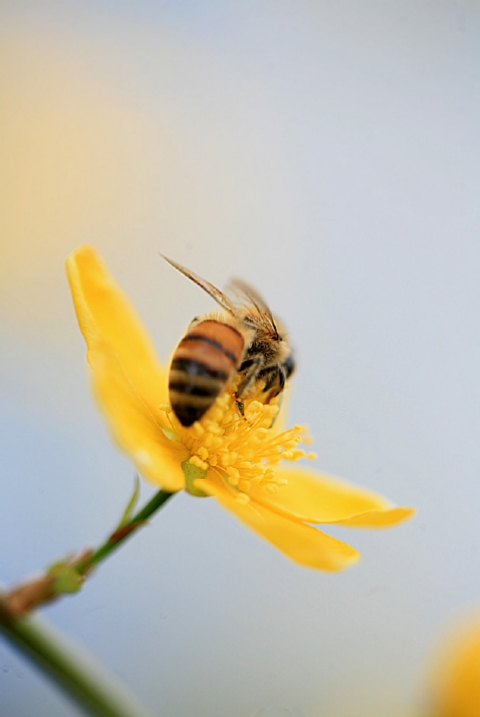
(204, 362)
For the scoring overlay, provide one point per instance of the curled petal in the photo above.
(104, 312)
(385, 518)
(314, 497)
(302, 543)
(131, 422)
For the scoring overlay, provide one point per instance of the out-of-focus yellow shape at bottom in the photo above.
(455, 677)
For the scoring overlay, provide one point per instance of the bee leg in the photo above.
(250, 370)
(275, 378)
(240, 407)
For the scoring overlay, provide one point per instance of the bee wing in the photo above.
(215, 293)
(245, 291)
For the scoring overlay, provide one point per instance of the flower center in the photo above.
(244, 449)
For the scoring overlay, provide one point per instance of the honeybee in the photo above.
(244, 339)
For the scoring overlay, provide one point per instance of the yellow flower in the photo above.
(240, 461)
(455, 679)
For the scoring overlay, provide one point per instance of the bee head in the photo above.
(289, 365)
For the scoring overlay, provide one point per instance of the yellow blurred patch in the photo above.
(76, 165)
(455, 675)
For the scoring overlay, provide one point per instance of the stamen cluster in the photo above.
(244, 449)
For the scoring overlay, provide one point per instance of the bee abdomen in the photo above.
(204, 362)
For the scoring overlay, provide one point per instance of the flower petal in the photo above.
(385, 518)
(131, 423)
(104, 312)
(302, 543)
(314, 497)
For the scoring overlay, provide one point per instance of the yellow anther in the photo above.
(216, 414)
(198, 429)
(196, 461)
(233, 472)
(297, 453)
(262, 433)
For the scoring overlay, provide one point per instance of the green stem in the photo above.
(77, 673)
(122, 533)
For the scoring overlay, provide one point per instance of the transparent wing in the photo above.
(251, 296)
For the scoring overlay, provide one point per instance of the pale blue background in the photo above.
(328, 152)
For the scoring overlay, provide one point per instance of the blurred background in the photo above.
(327, 152)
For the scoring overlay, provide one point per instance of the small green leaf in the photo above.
(66, 578)
(127, 513)
(193, 473)
(69, 581)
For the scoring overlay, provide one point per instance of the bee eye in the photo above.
(289, 365)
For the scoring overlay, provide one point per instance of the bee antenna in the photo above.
(212, 290)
